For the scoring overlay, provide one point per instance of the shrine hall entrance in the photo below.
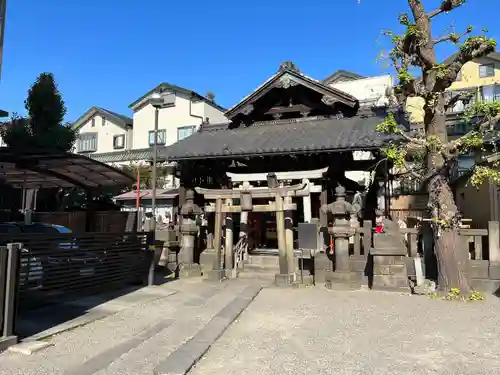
(261, 226)
(262, 233)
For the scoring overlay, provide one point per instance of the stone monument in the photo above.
(189, 212)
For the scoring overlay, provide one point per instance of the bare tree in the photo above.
(416, 48)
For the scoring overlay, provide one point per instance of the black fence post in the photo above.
(9, 275)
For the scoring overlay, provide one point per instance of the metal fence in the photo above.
(9, 261)
(58, 267)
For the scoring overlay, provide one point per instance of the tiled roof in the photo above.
(120, 156)
(277, 137)
(127, 120)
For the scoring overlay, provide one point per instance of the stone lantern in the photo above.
(189, 213)
(341, 230)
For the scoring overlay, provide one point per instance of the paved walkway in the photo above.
(315, 331)
(136, 339)
(283, 331)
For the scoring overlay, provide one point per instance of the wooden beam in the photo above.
(294, 190)
(271, 207)
(292, 175)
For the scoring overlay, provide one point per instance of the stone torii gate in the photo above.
(282, 205)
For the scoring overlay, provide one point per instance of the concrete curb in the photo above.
(188, 354)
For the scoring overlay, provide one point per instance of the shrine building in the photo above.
(299, 130)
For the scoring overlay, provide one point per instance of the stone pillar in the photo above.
(494, 249)
(244, 221)
(323, 216)
(217, 273)
(210, 227)
(228, 246)
(306, 202)
(342, 277)
(283, 278)
(189, 229)
(290, 256)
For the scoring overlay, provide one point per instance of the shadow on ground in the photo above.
(73, 311)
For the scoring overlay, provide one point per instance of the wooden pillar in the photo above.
(228, 246)
(290, 256)
(306, 202)
(244, 217)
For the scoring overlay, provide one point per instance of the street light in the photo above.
(156, 101)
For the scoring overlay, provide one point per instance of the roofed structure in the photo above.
(289, 93)
(118, 119)
(341, 76)
(33, 170)
(167, 87)
(280, 137)
(290, 113)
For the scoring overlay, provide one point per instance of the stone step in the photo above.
(261, 267)
(270, 260)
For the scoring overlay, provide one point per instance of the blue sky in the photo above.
(109, 53)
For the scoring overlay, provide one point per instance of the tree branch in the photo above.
(421, 45)
(473, 48)
(461, 96)
(446, 6)
(452, 37)
(489, 123)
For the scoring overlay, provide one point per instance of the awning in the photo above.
(34, 170)
(280, 137)
(148, 194)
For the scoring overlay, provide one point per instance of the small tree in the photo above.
(416, 48)
(44, 128)
(210, 96)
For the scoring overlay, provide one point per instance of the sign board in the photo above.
(308, 236)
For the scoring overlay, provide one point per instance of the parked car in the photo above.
(68, 255)
(31, 268)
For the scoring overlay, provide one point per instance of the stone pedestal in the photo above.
(343, 281)
(322, 266)
(189, 270)
(284, 280)
(207, 258)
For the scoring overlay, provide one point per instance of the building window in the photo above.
(103, 119)
(184, 132)
(486, 70)
(87, 142)
(161, 137)
(490, 93)
(92, 122)
(119, 141)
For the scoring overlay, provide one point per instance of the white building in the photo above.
(372, 92)
(117, 139)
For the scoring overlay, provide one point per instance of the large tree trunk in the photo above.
(448, 249)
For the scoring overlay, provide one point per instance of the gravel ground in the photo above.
(315, 331)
